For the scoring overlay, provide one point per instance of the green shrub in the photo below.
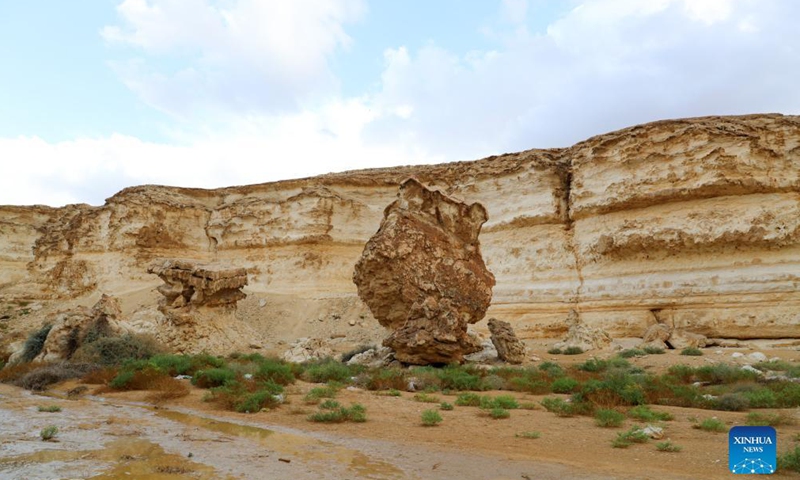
(48, 433)
(551, 369)
(767, 419)
(457, 377)
(626, 439)
(330, 404)
(431, 418)
(355, 413)
(531, 435)
(316, 394)
(501, 401)
(594, 365)
(651, 350)
(328, 369)
(492, 382)
(213, 377)
(668, 447)
(682, 373)
(555, 351)
(787, 394)
(498, 413)
(468, 400)
(121, 381)
(761, 398)
(632, 352)
(275, 370)
(564, 385)
(608, 418)
(385, 378)
(558, 406)
(711, 425)
(723, 374)
(34, 343)
(185, 364)
(692, 352)
(113, 351)
(573, 351)
(790, 460)
(256, 401)
(49, 408)
(730, 402)
(445, 406)
(425, 398)
(42, 376)
(643, 413)
(529, 406)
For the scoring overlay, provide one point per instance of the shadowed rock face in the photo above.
(423, 277)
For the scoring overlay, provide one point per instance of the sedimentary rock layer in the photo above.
(695, 223)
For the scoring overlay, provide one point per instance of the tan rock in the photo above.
(680, 339)
(509, 348)
(308, 349)
(656, 336)
(581, 336)
(422, 275)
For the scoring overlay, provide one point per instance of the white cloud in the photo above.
(243, 56)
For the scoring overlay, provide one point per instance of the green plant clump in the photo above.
(573, 351)
(49, 408)
(355, 413)
(431, 418)
(668, 447)
(468, 400)
(768, 419)
(48, 433)
(564, 385)
(498, 413)
(608, 418)
(626, 439)
(531, 435)
(643, 413)
(213, 377)
(446, 406)
(692, 352)
(425, 398)
(790, 460)
(711, 425)
(35, 343)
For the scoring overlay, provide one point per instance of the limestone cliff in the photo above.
(694, 223)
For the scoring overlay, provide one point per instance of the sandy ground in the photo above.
(120, 436)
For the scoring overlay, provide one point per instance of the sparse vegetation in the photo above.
(425, 398)
(559, 407)
(339, 414)
(49, 408)
(769, 419)
(692, 352)
(632, 352)
(316, 394)
(608, 418)
(643, 413)
(626, 439)
(498, 413)
(790, 460)
(445, 406)
(431, 418)
(573, 351)
(48, 433)
(555, 351)
(564, 385)
(35, 343)
(712, 424)
(668, 447)
(468, 400)
(652, 350)
(531, 435)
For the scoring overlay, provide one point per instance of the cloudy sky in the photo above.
(99, 95)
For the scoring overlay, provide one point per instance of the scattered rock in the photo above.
(352, 323)
(262, 303)
(422, 275)
(487, 353)
(581, 336)
(307, 349)
(653, 432)
(737, 354)
(373, 358)
(680, 339)
(756, 357)
(509, 348)
(751, 368)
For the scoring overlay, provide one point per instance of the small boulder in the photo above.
(307, 349)
(509, 348)
(581, 336)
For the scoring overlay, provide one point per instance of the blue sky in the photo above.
(97, 95)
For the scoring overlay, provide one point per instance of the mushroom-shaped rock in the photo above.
(422, 275)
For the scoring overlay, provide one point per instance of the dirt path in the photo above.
(113, 438)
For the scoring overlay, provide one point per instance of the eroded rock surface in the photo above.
(422, 275)
(581, 336)
(509, 348)
(190, 285)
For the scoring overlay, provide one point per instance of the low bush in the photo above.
(425, 398)
(274, 370)
(328, 369)
(42, 376)
(564, 385)
(531, 435)
(790, 460)
(501, 401)
(626, 439)
(643, 413)
(48, 433)
(769, 419)
(498, 413)
(558, 406)
(608, 418)
(49, 408)
(459, 377)
(632, 352)
(551, 369)
(213, 377)
(692, 352)
(445, 406)
(34, 343)
(711, 425)
(431, 418)
(555, 351)
(468, 400)
(355, 413)
(316, 394)
(652, 350)
(668, 447)
(112, 351)
(573, 351)
(385, 379)
(730, 402)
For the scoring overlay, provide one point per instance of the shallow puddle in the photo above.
(129, 458)
(293, 446)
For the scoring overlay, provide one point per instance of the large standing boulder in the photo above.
(422, 275)
(509, 348)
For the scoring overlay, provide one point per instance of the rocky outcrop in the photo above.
(695, 218)
(581, 336)
(509, 348)
(308, 349)
(422, 275)
(188, 286)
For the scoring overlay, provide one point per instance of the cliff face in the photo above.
(691, 222)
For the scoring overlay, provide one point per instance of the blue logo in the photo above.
(752, 450)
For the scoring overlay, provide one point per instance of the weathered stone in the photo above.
(307, 349)
(487, 353)
(373, 358)
(423, 277)
(188, 284)
(681, 339)
(581, 336)
(509, 348)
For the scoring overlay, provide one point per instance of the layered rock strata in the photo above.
(693, 223)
